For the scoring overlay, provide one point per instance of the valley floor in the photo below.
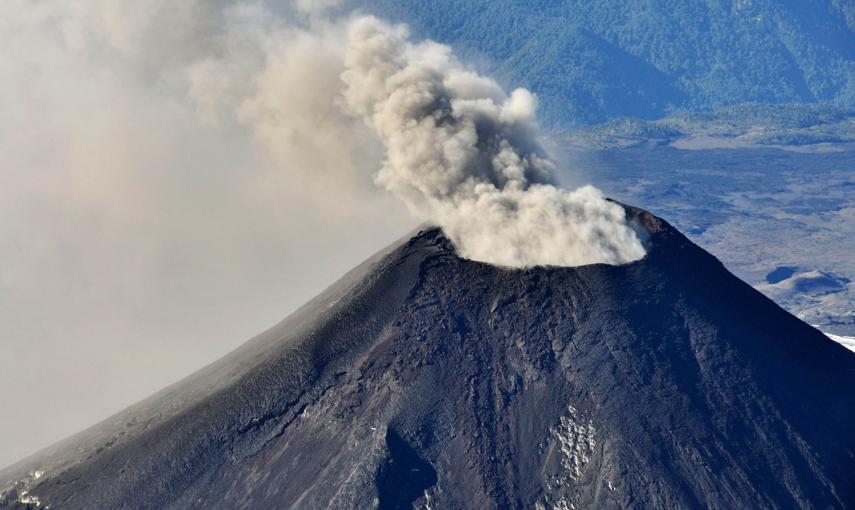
(782, 220)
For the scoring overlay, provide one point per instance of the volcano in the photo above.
(425, 380)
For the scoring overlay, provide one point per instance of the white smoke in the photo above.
(465, 154)
(316, 6)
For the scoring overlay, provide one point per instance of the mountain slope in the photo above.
(591, 61)
(423, 379)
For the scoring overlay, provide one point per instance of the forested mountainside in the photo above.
(594, 60)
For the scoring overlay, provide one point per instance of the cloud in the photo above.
(462, 152)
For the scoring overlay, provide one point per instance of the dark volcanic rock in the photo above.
(425, 380)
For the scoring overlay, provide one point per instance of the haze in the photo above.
(153, 214)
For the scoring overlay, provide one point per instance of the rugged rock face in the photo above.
(425, 380)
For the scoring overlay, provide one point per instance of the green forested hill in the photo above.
(593, 60)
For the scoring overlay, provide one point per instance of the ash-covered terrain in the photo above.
(424, 380)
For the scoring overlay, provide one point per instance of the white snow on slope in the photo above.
(845, 341)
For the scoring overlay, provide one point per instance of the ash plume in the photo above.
(162, 156)
(464, 153)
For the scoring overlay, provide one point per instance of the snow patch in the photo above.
(18, 493)
(576, 441)
(845, 341)
(26, 499)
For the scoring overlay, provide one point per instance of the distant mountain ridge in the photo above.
(595, 60)
(755, 124)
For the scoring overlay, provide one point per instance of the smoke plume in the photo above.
(177, 176)
(465, 154)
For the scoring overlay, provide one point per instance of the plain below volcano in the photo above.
(425, 380)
